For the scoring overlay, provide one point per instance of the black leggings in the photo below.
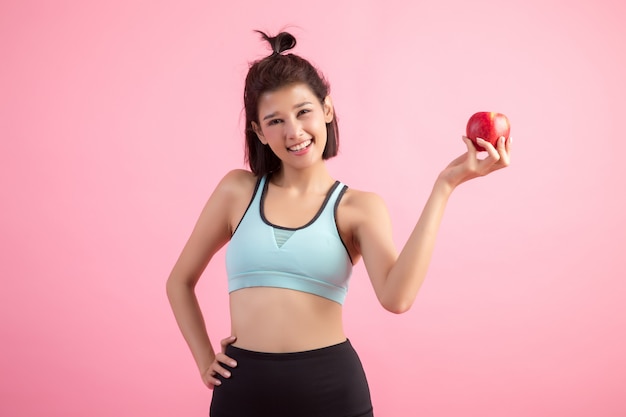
(325, 382)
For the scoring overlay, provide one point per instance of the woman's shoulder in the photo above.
(364, 202)
(237, 183)
(237, 179)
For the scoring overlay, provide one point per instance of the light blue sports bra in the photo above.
(311, 258)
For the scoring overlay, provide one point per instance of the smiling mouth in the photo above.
(300, 146)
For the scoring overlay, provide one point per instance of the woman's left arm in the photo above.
(397, 278)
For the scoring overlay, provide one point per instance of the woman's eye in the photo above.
(273, 122)
(304, 111)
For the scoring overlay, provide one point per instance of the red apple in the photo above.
(488, 126)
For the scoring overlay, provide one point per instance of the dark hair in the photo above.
(270, 74)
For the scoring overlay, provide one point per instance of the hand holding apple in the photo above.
(488, 126)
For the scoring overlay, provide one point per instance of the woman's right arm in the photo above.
(211, 232)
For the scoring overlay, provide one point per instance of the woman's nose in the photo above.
(293, 129)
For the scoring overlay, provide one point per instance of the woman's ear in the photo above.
(259, 133)
(329, 110)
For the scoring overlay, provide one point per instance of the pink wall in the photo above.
(117, 119)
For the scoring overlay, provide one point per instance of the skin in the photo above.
(282, 320)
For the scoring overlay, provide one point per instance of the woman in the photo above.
(295, 233)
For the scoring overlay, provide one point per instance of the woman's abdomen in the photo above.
(278, 320)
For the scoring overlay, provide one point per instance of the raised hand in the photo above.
(469, 165)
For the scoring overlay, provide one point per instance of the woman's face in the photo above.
(292, 122)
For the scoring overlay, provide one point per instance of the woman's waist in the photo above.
(268, 337)
(292, 354)
(275, 320)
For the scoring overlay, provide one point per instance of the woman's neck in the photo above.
(313, 179)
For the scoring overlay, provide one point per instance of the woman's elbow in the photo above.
(175, 284)
(397, 306)
(170, 287)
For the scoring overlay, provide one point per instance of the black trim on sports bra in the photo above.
(310, 222)
(341, 193)
(256, 188)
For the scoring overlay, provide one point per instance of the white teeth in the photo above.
(300, 146)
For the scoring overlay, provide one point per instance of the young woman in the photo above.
(294, 233)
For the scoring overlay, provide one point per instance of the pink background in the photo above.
(118, 118)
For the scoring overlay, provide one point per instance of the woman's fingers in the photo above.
(505, 151)
(216, 370)
(470, 165)
(222, 358)
(211, 376)
(503, 154)
(227, 341)
(494, 156)
(471, 149)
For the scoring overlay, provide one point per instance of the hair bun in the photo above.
(280, 43)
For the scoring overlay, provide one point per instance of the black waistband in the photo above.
(327, 350)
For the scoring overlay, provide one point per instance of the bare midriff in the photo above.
(278, 320)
